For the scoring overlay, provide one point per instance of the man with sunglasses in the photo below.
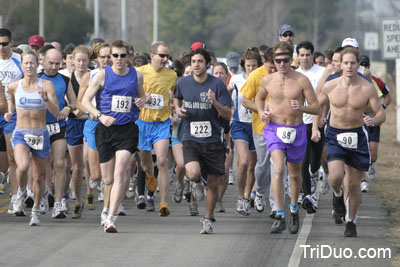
(285, 134)
(119, 95)
(286, 34)
(10, 71)
(154, 124)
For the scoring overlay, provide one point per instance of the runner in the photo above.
(154, 123)
(349, 97)
(199, 100)
(285, 134)
(116, 134)
(30, 97)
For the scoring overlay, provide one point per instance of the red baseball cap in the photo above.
(36, 40)
(197, 45)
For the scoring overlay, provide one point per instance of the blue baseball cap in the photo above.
(286, 28)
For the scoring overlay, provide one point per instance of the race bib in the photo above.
(286, 134)
(35, 142)
(245, 114)
(200, 129)
(53, 128)
(157, 102)
(347, 140)
(121, 103)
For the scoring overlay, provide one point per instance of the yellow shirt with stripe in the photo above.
(161, 83)
(249, 91)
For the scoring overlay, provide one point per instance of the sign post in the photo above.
(391, 50)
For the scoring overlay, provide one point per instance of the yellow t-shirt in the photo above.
(160, 85)
(378, 90)
(249, 91)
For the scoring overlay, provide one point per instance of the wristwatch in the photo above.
(99, 115)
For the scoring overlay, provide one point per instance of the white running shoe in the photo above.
(44, 202)
(131, 193)
(324, 187)
(103, 217)
(3, 182)
(58, 212)
(371, 172)
(259, 203)
(309, 204)
(198, 190)
(364, 186)
(65, 205)
(18, 205)
(207, 226)
(72, 194)
(240, 206)
(35, 217)
(93, 184)
(11, 206)
(121, 210)
(101, 197)
(109, 225)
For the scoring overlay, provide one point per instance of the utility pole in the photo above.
(123, 19)
(155, 21)
(41, 18)
(96, 19)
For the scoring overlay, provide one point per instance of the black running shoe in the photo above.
(350, 230)
(279, 225)
(338, 219)
(51, 200)
(338, 205)
(29, 202)
(272, 214)
(294, 223)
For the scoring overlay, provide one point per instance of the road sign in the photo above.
(371, 41)
(391, 39)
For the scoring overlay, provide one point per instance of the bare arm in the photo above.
(313, 104)
(82, 89)
(375, 105)
(11, 101)
(223, 111)
(250, 104)
(140, 100)
(3, 100)
(49, 93)
(259, 100)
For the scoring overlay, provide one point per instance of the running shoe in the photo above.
(309, 204)
(44, 204)
(131, 188)
(11, 205)
(109, 225)
(121, 210)
(77, 211)
(198, 190)
(18, 205)
(151, 182)
(93, 184)
(218, 206)
(51, 200)
(301, 199)
(246, 207)
(294, 223)
(279, 225)
(186, 190)
(90, 202)
(338, 219)
(100, 197)
(29, 199)
(164, 210)
(3, 182)
(272, 214)
(35, 217)
(350, 230)
(324, 187)
(150, 203)
(259, 203)
(178, 192)
(193, 209)
(314, 182)
(207, 226)
(58, 212)
(100, 186)
(364, 186)
(65, 205)
(338, 205)
(371, 172)
(232, 177)
(240, 206)
(103, 217)
(141, 202)
(72, 194)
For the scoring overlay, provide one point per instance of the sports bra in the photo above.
(26, 100)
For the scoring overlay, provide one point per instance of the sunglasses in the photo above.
(286, 34)
(163, 55)
(105, 56)
(364, 64)
(284, 60)
(4, 43)
(119, 55)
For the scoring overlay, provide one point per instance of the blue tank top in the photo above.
(117, 96)
(60, 83)
(26, 100)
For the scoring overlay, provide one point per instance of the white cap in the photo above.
(350, 42)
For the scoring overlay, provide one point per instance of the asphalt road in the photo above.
(145, 239)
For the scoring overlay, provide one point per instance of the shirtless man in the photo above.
(286, 134)
(349, 97)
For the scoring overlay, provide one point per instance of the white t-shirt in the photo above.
(241, 113)
(314, 74)
(10, 71)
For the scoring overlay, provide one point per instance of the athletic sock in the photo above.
(281, 213)
(294, 208)
(340, 193)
